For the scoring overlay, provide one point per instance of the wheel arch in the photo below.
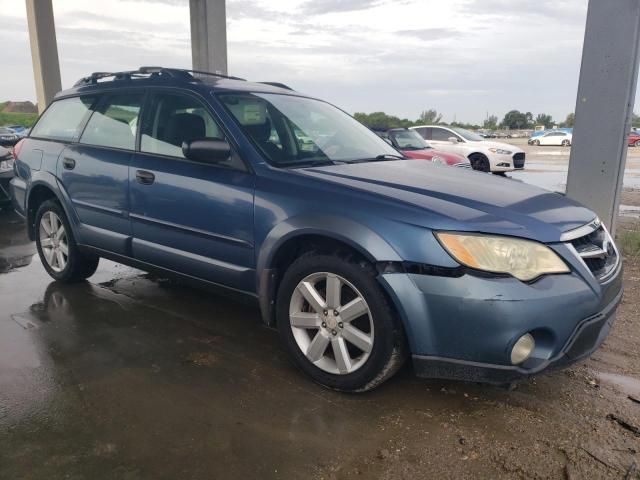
(41, 190)
(292, 238)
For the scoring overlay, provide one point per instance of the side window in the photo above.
(63, 118)
(173, 119)
(114, 122)
(442, 135)
(424, 132)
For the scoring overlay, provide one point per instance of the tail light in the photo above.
(16, 149)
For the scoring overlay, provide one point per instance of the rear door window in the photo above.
(442, 135)
(63, 119)
(115, 121)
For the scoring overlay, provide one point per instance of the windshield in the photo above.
(467, 135)
(409, 140)
(292, 130)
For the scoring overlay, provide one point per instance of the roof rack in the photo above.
(149, 72)
(277, 84)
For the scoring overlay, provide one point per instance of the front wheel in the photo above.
(566, 143)
(536, 143)
(337, 324)
(57, 247)
(637, 144)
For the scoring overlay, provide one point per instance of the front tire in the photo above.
(57, 247)
(566, 143)
(637, 144)
(479, 162)
(536, 143)
(337, 325)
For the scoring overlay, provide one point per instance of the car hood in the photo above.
(429, 153)
(492, 144)
(441, 198)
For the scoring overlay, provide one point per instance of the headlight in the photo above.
(439, 160)
(6, 165)
(500, 151)
(524, 259)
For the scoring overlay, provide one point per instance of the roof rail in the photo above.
(148, 72)
(277, 84)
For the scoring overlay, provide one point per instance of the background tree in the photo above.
(544, 119)
(635, 121)
(491, 123)
(430, 117)
(516, 120)
(569, 121)
(381, 120)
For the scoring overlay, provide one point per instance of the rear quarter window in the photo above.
(63, 119)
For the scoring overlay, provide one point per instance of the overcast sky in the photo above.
(462, 57)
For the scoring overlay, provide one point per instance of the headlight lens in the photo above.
(524, 259)
(6, 165)
(439, 160)
(500, 151)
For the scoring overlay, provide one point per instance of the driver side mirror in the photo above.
(206, 150)
(453, 140)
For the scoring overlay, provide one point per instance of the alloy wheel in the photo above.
(54, 241)
(331, 323)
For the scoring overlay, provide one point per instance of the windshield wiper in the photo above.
(311, 163)
(379, 158)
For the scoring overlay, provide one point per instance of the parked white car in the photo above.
(561, 139)
(484, 155)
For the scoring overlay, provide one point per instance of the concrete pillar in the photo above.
(44, 51)
(209, 35)
(606, 95)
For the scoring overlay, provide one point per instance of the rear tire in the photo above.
(320, 342)
(479, 162)
(57, 247)
(637, 144)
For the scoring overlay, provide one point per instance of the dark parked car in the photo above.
(8, 137)
(6, 174)
(358, 257)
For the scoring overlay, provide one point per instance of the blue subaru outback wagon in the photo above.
(359, 257)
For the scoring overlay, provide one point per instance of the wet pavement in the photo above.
(130, 376)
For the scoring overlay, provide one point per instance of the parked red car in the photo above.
(634, 139)
(412, 145)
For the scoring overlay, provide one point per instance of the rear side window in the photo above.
(114, 123)
(63, 119)
(442, 135)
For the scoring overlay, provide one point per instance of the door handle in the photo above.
(68, 163)
(145, 178)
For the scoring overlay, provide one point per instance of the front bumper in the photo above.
(5, 192)
(587, 338)
(465, 327)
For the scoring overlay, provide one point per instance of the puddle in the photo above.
(627, 385)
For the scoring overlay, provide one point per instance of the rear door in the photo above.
(440, 140)
(190, 217)
(95, 171)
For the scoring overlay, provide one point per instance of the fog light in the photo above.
(523, 349)
(504, 164)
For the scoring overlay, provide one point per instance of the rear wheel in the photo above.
(637, 144)
(479, 162)
(337, 325)
(57, 247)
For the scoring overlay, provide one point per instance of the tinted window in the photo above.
(442, 135)
(114, 122)
(173, 119)
(63, 118)
(424, 132)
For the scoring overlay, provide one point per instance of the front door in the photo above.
(190, 217)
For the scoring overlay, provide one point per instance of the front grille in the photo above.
(462, 165)
(518, 160)
(597, 251)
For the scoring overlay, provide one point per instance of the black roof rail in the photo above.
(149, 71)
(277, 84)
